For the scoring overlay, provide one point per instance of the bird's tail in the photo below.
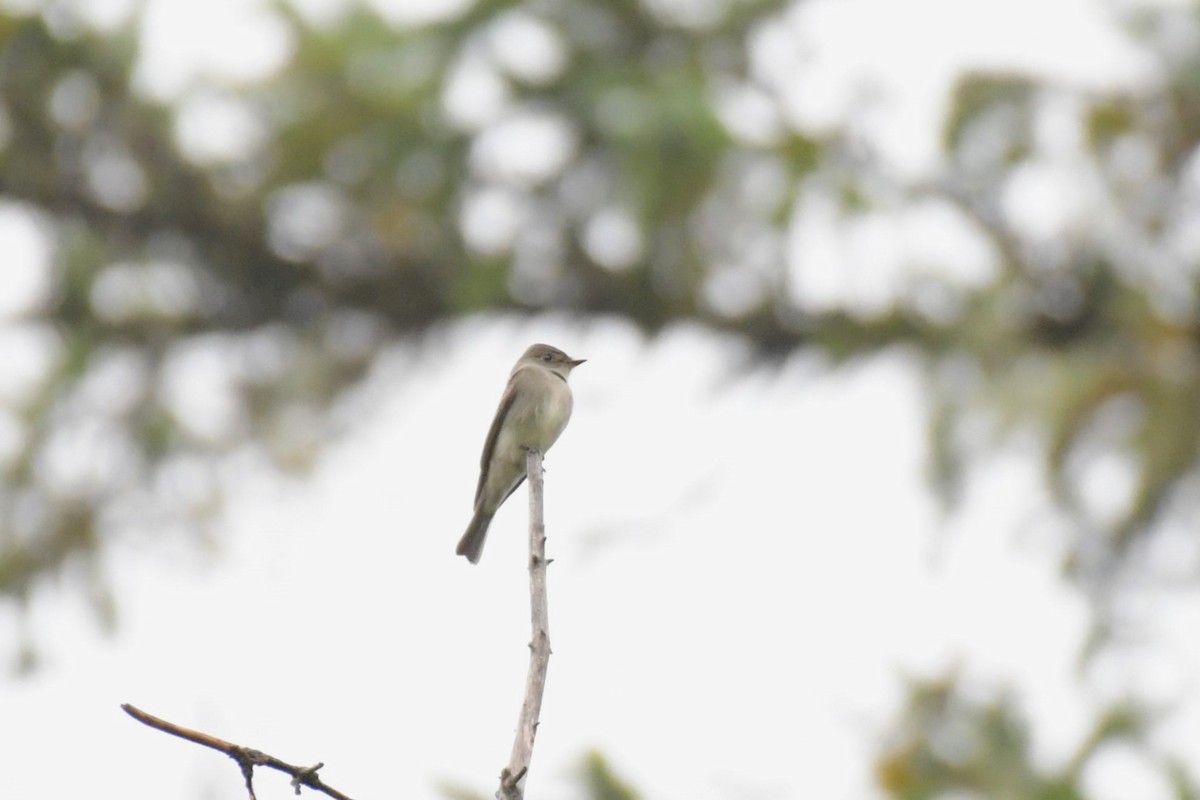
(471, 543)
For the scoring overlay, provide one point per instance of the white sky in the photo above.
(748, 584)
(745, 566)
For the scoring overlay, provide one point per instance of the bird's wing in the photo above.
(489, 446)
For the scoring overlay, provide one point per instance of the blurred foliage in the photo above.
(594, 156)
(205, 301)
(952, 742)
(602, 783)
(599, 156)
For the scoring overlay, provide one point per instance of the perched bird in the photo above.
(533, 412)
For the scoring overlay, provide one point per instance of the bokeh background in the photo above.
(882, 480)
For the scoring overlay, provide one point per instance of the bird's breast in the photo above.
(541, 422)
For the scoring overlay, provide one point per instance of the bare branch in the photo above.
(247, 758)
(512, 778)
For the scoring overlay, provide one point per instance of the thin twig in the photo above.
(512, 778)
(247, 758)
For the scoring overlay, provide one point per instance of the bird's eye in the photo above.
(547, 357)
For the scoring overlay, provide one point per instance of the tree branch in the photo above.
(247, 758)
(512, 778)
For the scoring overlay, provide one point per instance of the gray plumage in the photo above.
(534, 410)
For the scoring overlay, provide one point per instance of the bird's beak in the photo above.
(575, 362)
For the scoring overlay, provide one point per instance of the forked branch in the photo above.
(247, 758)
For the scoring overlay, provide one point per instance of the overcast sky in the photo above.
(746, 564)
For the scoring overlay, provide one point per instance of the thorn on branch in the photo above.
(510, 780)
(307, 776)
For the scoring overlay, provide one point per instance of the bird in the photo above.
(534, 410)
